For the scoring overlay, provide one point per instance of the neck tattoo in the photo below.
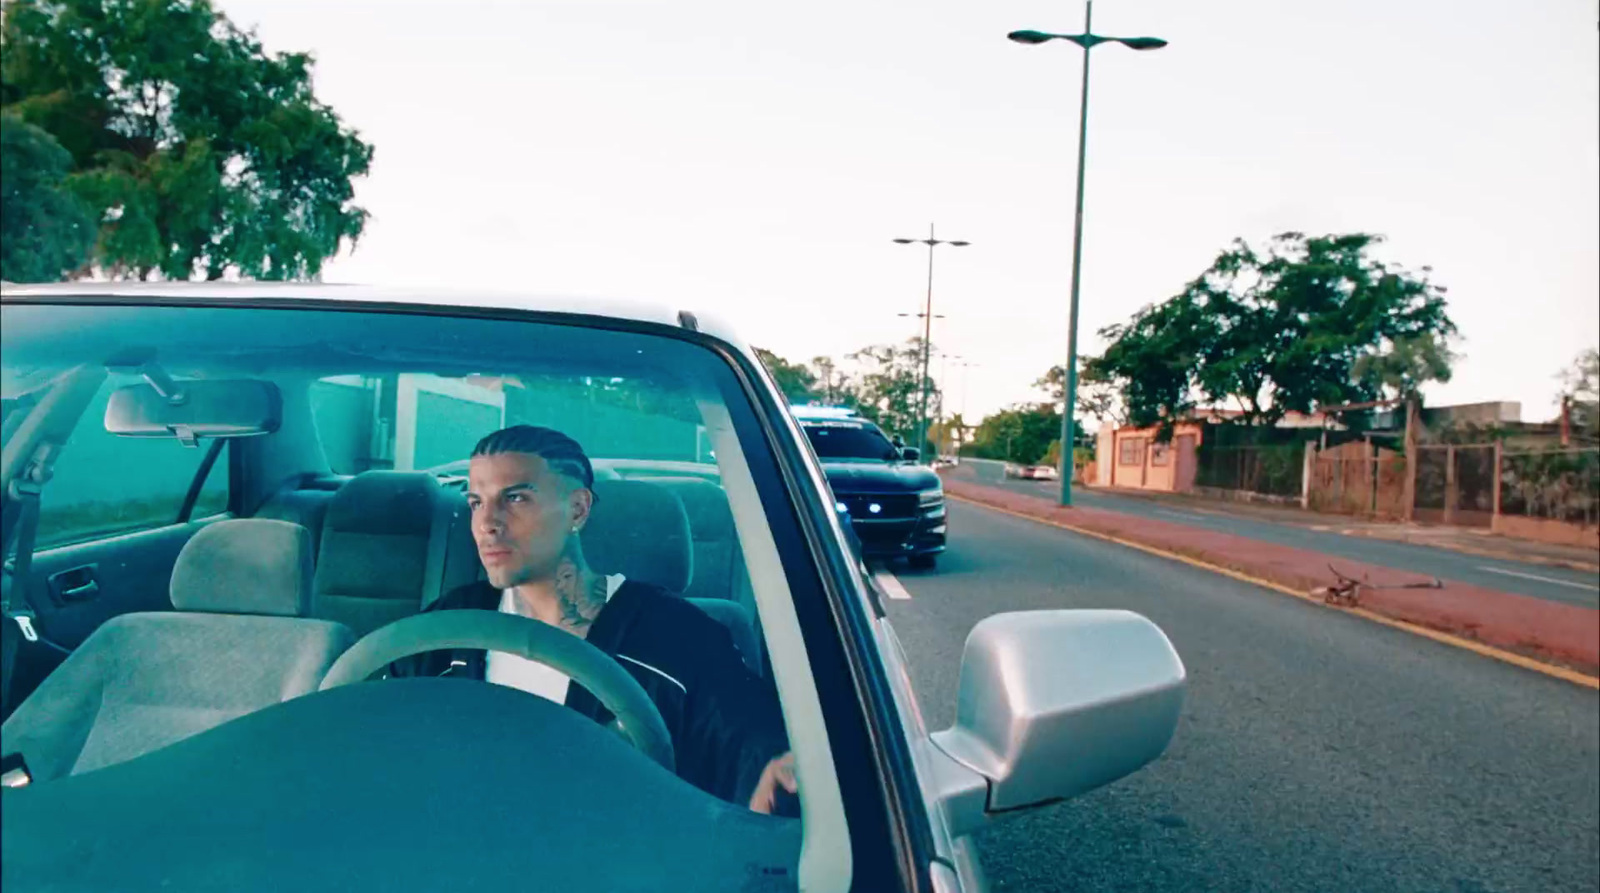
(580, 594)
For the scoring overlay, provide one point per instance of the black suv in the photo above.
(895, 506)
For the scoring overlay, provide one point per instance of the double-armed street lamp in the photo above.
(1086, 41)
(927, 317)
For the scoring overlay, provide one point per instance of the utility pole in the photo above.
(1085, 41)
(927, 329)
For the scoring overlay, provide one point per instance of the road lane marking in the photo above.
(1510, 657)
(1184, 515)
(891, 584)
(1501, 570)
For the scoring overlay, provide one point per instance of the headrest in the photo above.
(385, 543)
(640, 530)
(705, 503)
(384, 502)
(245, 566)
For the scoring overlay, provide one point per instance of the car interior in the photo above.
(167, 653)
(375, 547)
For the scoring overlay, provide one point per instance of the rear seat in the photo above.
(307, 508)
(716, 549)
(640, 528)
(390, 542)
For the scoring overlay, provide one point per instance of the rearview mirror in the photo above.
(910, 454)
(1056, 703)
(195, 409)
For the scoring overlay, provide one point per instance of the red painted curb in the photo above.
(1567, 634)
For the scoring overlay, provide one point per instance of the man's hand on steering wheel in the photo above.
(779, 774)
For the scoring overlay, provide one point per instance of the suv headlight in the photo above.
(930, 497)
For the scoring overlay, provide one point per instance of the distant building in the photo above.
(1131, 457)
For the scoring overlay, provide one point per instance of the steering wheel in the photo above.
(587, 665)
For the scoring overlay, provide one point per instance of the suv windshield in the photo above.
(860, 441)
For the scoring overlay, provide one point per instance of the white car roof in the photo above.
(491, 299)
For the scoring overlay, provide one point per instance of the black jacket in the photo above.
(724, 721)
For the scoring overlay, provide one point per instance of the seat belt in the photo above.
(25, 494)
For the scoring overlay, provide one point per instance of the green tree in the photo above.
(1580, 392)
(1400, 371)
(796, 381)
(200, 153)
(888, 386)
(1021, 433)
(950, 433)
(45, 231)
(1307, 321)
(1096, 397)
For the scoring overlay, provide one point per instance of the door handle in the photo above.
(75, 585)
(79, 593)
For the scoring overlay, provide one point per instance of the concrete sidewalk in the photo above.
(1564, 634)
(1467, 540)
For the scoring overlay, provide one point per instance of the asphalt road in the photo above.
(1316, 751)
(1571, 587)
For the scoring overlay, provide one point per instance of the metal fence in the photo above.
(1550, 494)
(1455, 484)
(1556, 485)
(1274, 470)
(1358, 479)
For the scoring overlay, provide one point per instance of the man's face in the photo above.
(522, 515)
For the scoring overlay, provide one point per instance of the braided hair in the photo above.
(560, 452)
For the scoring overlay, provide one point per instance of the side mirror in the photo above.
(910, 454)
(1056, 703)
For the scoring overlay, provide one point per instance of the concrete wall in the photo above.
(1105, 442)
(434, 420)
(1544, 530)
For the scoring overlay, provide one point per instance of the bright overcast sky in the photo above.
(755, 159)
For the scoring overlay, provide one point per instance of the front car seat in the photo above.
(238, 641)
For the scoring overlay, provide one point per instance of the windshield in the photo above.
(850, 440)
(610, 484)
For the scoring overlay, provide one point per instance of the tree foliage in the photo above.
(1580, 390)
(1306, 321)
(1097, 396)
(1400, 371)
(200, 153)
(796, 381)
(1022, 433)
(887, 386)
(883, 382)
(45, 231)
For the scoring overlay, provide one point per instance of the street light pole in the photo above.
(927, 336)
(944, 388)
(1069, 441)
(965, 365)
(1087, 41)
(927, 330)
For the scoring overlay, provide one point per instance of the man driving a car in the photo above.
(530, 492)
